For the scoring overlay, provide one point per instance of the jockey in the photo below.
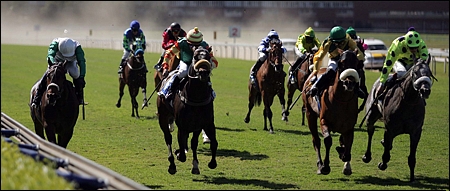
(305, 43)
(61, 49)
(170, 36)
(362, 47)
(183, 47)
(337, 39)
(263, 50)
(129, 37)
(400, 56)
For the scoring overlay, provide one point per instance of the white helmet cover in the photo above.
(67, 47)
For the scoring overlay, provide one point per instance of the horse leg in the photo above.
(303, 114)
(283, 102)
(328, 141)
(344, 151)
(182, 144)
(50, 132)
(121, 87)
(290, 94)
(370, 130)
(144, 92)
(211, 133)
(168, 139)
(413, 142)
(251, 103)
(39, 128)
(387, 144)
(194, 145)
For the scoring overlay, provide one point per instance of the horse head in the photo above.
(56, 76)
(275, 55)
(136, 61)
(347, 65)
(421, 77)
(201, 64)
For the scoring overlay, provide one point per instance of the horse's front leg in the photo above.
(182, 144)
(50, 132)
(134, 107)
(211, 133)
(145, 102)
(344, 151)
(387, 144)
(194, 146)
(413, 142)
(268, 113)
(162, 119)
(328, 141)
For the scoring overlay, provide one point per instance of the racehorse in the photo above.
(302, 72)
(193, 111)
(58, 111)
(270, 82)
(337, 111)
(135, 76)
(402, 110)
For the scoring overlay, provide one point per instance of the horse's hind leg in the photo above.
(121, 87)
(194, 146)
(328, 141)
(144, 92)
(251, 104)
(413, 142)
(283, 109)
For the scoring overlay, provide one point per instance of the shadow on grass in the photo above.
(255, 182)
(229, 129)
(243, 155)
(421, 182)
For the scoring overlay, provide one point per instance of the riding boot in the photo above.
(255, 69)
(321, 82)
(39, 91)
(79, 90)
(121, 66)
(158, 64)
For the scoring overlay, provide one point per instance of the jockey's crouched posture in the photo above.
(59, 50)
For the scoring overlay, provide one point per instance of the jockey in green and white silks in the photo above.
(62, 49)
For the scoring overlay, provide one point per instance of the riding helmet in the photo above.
(194, 36)
(337, 34)
(175, 25)
(413, 39)
(67, 47)
(273, 34)
(134, 25)
(309, 32)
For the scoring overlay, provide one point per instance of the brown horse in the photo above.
(337, 111)
(270, 82)
(402, 109)
(58, 112)
(193, 111)
(301, 73)
(135, 76)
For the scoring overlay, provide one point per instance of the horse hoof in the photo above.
(172, 171)
(382, 142)
(246, 120)
(284, 119)
(367, 158)
(195, 171)
(347, 172)
(118, 105)
(180, 157)
(212, 164)
(325, 170)
(382, 166)
(271, 131)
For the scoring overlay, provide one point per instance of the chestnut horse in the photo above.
(402, 109)
(135, 76)
(193, 111)
(337, 111)
(58, 111)
(302, 73)
(270, 82)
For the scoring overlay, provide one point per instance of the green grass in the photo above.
(248, 157)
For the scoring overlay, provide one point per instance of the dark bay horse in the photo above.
(270, 82)
(302, 73)
(193, 111)
(402, 110)
(337, 111)
(58, 112)
(135, 76)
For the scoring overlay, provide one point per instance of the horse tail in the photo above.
(258, 98)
